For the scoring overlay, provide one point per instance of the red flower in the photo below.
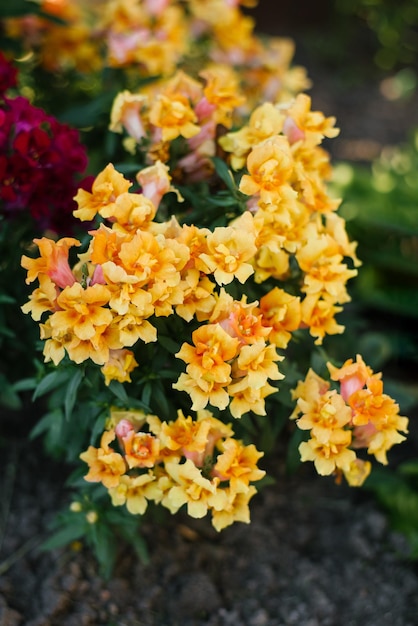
(41, 161)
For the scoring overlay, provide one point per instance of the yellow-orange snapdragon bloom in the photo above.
(358, 415)
(186, 462)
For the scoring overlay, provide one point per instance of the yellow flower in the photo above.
(126, 114)
(203, 390)
(235, 509)
(281, 313)
(313, 126)
(323, 415)
(82, 311)
(222, 92)
(41, 299)
(357, 473)
(187, 437)
(119, 366)
(318, 314)
(228, 251)
(257, 362)
(190, 488)
(129, 212)
(246, 398)
(198, 297)
(107, 186)
(105, 465)
(330, 455)
(325, 274)
(270, 166)
(135, 492)
(174, 116)
(265, 122)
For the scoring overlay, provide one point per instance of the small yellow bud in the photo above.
(92, 517)
(75, 507)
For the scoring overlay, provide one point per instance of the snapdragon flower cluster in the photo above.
(153, 38)
(41, 161)
(192, 462)
(357, 415)
(227, 230)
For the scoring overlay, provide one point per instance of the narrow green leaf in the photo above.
(45, 423)
(25, 384)
(119, 391)
(51, 381)
(65, 535)
(224, 173)
(71, 392)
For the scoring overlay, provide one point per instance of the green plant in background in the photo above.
(395, 25)
(381, 209)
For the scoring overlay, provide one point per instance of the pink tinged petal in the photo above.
(292, 131)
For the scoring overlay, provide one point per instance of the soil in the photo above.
(315, 554)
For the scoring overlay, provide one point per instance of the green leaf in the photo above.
(51, 381)
(224, 173)
(71, 393)
(119, 391)
(48, 421)
(168, 344)
(25, 384)
(74, 530)
(103, 543)
(18, 8)
(5, 299)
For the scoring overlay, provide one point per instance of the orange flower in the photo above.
(141, 449)
(53, 261)
(208, 370)
(238, 465)
(242, 320)
(352, 375)
(105, 465)
(212, 350)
